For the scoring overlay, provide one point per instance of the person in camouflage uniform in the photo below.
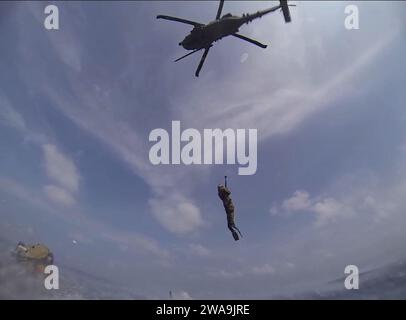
(224, 194)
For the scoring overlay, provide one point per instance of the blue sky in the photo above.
(77, 106)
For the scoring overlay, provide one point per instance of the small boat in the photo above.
(35, 257)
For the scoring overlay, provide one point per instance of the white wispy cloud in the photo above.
(59, 195)
(325, 209)
(24, 194)
(9, 116)
(199, 250)
(226, 274)
(60, 168)
(242, 272)
(263, 270)
(67, 48)
(328, 210)
(133, 242)
(177, 213)
(299, 201)
(63, 172)
(181, 295)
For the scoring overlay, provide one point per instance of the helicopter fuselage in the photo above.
(203, 36)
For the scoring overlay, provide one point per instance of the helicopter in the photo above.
(203, 36)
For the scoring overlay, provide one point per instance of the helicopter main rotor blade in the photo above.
(250, 17)
(193, 23)
(285, 10)
(187, 55)
(259, 44)
(206, 51)
(220, 9)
